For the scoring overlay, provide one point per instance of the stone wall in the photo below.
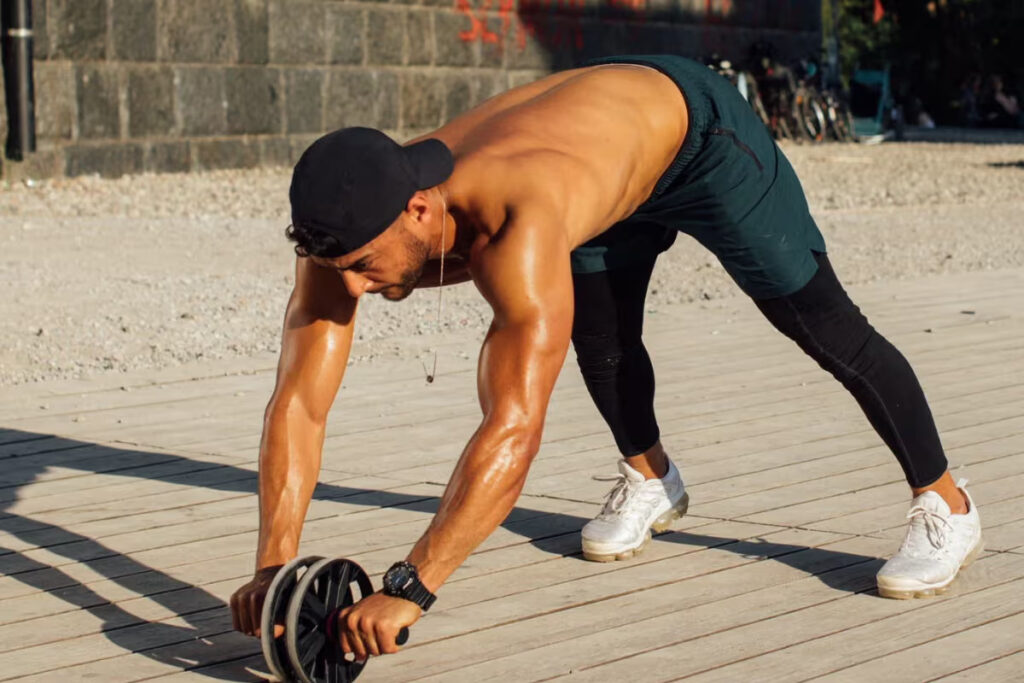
(127, 86)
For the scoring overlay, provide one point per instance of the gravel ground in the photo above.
(153, 271)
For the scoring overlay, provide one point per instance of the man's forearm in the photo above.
(290, 456)
(481, 493)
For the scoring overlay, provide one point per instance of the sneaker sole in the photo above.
(931, 590)
(659, 525)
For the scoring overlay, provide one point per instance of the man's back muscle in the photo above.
(593, 142)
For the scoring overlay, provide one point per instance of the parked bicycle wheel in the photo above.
(811, 114)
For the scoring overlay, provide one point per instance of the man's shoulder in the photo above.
(504, 182)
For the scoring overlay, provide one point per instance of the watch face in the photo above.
(398, 577)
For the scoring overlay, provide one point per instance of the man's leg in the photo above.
(823, 321)
(607, 336)
(944, 534)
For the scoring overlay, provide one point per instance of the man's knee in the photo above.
(601, 357)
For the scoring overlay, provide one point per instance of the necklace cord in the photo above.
(440, 283)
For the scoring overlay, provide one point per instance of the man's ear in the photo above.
(418, 206)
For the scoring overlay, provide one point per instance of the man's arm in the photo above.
(315, 346)
(524, 274)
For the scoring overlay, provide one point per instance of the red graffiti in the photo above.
(553, 23)
(478, 24)
(558, 23)
(717, 10)
(635, 5)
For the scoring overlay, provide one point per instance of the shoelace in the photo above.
(936, 533)
(622, 491)
(619, 494)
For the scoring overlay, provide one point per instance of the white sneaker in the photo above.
(938, 544)
(634, 507)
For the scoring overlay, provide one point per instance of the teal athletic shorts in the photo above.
(730, 187)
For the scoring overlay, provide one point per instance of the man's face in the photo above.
(390, 265)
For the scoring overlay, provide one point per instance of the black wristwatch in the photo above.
(403, 581)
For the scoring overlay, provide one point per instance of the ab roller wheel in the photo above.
(307, 595)
(275, 608)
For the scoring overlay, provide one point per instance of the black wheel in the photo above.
(314, 651)
(275, 606)
(846, 116)
(811, 115)
(783, 129)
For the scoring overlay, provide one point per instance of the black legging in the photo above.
(820, 318)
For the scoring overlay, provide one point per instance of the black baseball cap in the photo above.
(353, 183)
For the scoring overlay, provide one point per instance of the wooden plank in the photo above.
(107, 577)
(1003, 668)
(487, 652)
(80, 653)
(155, 595)
(970, 645)
(856, 626)
(666, 644)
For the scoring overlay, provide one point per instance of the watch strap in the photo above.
(418, 593)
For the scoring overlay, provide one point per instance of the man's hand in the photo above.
(371, 625)
(247, 603)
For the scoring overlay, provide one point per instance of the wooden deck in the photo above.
(130, 516)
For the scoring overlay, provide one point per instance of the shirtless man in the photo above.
(556, 198)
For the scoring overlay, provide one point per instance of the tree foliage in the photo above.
(933, 46)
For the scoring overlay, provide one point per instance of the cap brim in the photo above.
(431, 161)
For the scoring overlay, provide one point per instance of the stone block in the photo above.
(150, 101)
(275, 151)
(691, 11)
(530, 53)
(559, 42)
(423, 100)
(201, 100)
(252, 31)
(385, 36)
(229, 153)
(685, 40)
(78, 29)
(299, 144)
(40, 32)
(168, 157)
(298, 32)
(98, 97)
(109, 161)
(450, 48)
(486, 86)
(304, 102)
(518, 78)
(134, 30)
(361, 98)
(55, 100)
(750, 13)
(196, 31)
(254, 100)
(43, 163)
(664, 11)
(493, 52)
(420, 29)
(346, 31)
(458, 96)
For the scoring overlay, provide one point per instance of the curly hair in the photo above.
(312, 242)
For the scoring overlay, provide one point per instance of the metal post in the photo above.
(16, 21)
